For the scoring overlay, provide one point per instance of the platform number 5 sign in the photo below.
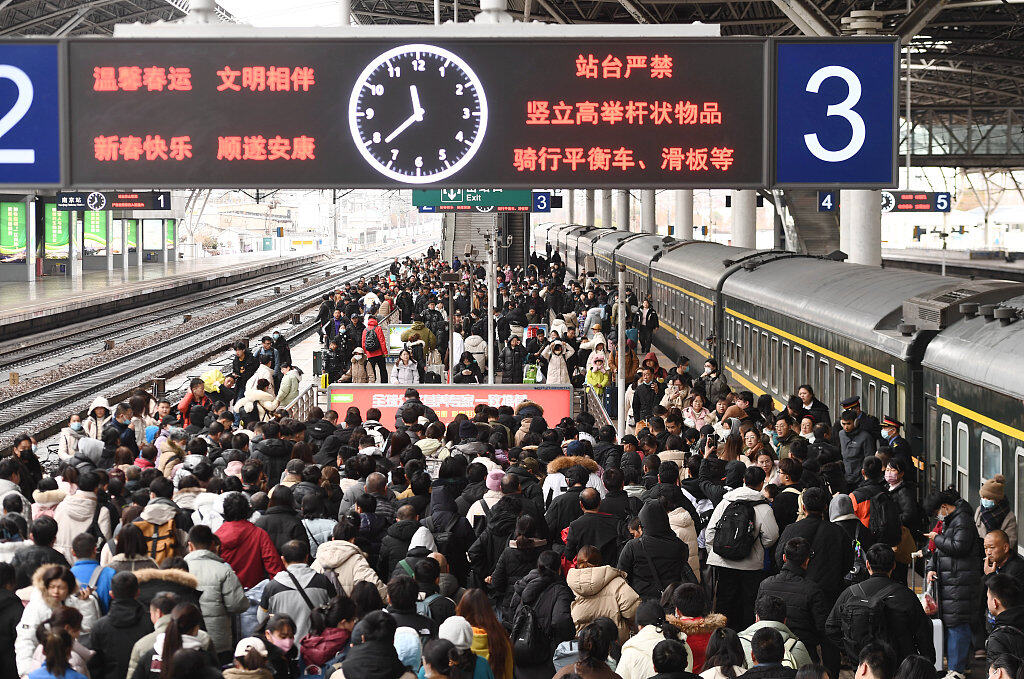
(835, 112)
(30, 140)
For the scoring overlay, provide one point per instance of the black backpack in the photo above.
(736, 530)
(864, 618)
(529, 643)
(884, 520)
(371, 340)
(442, 538)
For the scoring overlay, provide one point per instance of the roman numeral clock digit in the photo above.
(418, 114)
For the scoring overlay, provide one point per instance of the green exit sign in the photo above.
(472, 198)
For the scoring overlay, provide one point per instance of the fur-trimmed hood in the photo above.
(178, 577)
(525, 404)
(562, 463)
(705, 625)
(48, 497)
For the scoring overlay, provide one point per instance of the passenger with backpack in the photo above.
(955, 567)
(741, 528)
(875, 507)
(770, 613)
(542, 603)
(376, 348)
(879, 608)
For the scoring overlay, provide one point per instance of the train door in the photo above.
(1018, 479)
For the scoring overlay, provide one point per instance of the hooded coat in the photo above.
(395, 545)
(349, 565)
(93, 424)
(274, 454)
(152, 581)
(171, 455)
(655, 559)
(766, 526)
(681, 522)
(87, 459)
(602, 591)
(114, 635)
(75, 515)
(477, 346)
(698, 632)
(957, 560)
(558, 368)
(221, 595)
(282, 524)
(382, 345)
(514, 563)
(38, 610)
(441, 513)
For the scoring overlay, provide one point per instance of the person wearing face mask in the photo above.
(70, 436)
(282, 653)
(955, 568)
(899, 448)
(994, 513)
(904, 494)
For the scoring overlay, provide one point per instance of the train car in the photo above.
(604, 252)
(585, 244)
(540, 232)
(636, 254)
(578, 245)
(683, 286)
(974, 400)
(789, 320)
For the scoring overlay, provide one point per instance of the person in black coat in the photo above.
(468, 370)
(511, 360)
(492, 541)
(810, 404)
(544, 591)
(402, 595)
(646, 321)
(832, 550)
(518, 559)
(114, 635)
(281, 521)
(1006, 604)
(616, 501)
(904, 494)
(595, 528)
(441, 514)
(656, 558)
(243, 365)
(28, 559)
(565, 508)
(11, 610)
(273, 451)
(786, 505)
(955, 566)
(806, 606)
(395, 544)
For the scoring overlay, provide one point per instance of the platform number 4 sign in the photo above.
(827, 201)
(30, 142)
(835, 113)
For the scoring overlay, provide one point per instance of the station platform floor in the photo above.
(29, 306)
(958, 263)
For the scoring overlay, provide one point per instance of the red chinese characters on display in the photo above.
(141, 78)
(629, 112)
(613, 67)
(266, 78)
(133, 148)
(677, 159)
(594, 159)
(260, 148)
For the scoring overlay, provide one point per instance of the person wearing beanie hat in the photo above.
(409, 647)
(457, 630)
(480, 510)
(994, 511)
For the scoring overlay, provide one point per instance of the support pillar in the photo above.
(163, 242)
(588, 207)
(648, 211)
(109, 239)
(74, 241)
(124, 248)
(174, 243)
(684, 214)
(845, 220)
(744, 219)
(622, 209)
(866, 232)
(606, 208)
(138, 245)
(30, 238)
(570, 206)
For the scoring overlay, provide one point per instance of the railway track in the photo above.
(121, 325)
(40, 411)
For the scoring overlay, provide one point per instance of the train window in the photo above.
(963, 454)
(785, 369)
(946, 451)
(809, 374)
(774, 372)
(766, 359)
(901, 403)
(855, 385)
(884, 405)
(798, 364)
(822, 383)
(872, 397)
(991, 456)
(746, 348)
(840, 383)
(1017, 481)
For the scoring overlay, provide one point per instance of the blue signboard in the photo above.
(30, 136)
(542, 201)
(828, 201)
(836, 112)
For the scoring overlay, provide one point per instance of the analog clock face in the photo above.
(418, 114)
(96, 201)
(888, 201)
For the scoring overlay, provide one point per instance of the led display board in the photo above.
(514, 113)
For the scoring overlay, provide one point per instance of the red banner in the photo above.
(450, 400)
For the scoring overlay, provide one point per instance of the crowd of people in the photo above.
(219, 535)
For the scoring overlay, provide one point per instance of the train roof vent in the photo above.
(941, 307)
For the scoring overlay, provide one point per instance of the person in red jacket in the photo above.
(196, 396)
(247, 549)
(376, 349)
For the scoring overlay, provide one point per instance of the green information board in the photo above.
(172, 228)
(133, 233)
(472, 197)
(268, 244)
(13, 237)
(56, 231)
(95, 229)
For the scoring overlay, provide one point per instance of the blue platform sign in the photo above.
(828, 201)
(836, 112)
(30, 135)
(542, 201)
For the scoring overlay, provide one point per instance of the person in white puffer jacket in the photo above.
(52, 586)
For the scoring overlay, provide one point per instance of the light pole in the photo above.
(621, 341)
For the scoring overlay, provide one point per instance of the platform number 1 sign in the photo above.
(30, 142)
(835, 113)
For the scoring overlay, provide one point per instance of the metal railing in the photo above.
(307, 399)
(591, 403)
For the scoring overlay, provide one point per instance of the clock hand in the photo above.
(416, 108)
(401, 128)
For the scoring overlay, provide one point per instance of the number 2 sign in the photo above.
(30, 130)
(835, 112)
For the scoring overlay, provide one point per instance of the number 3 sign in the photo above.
(835, 112)
(30, 152)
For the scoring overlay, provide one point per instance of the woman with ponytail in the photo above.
(57, 644)
(637, 653)
(443, 660)
(330, 627)
(69, 620)
(594, 644)
(181, 633)
(250, 661)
